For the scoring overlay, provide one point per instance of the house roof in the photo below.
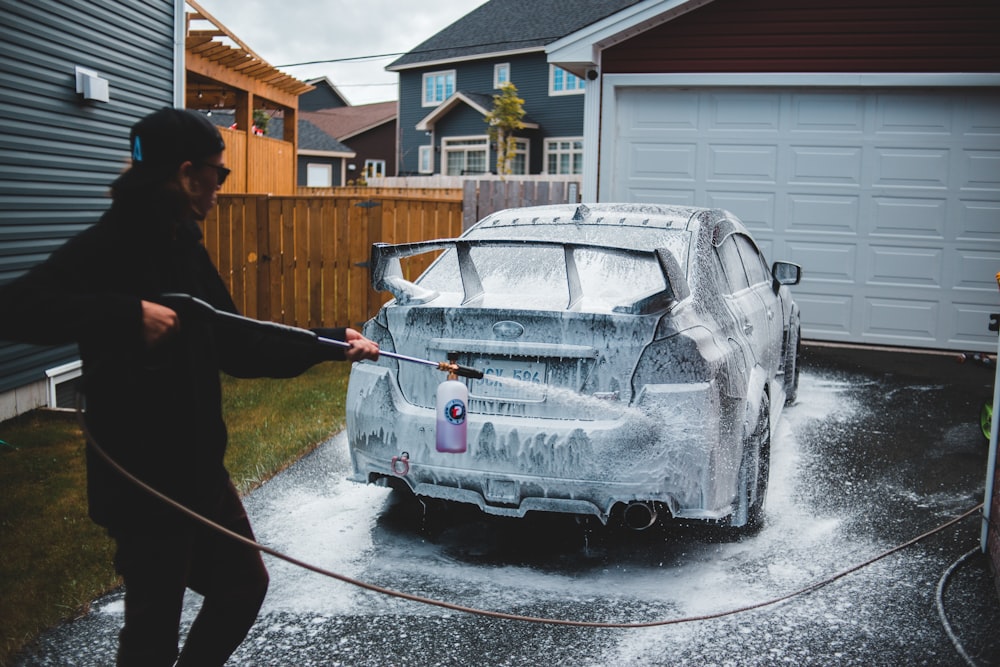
(478, 101)
(502, 26)
(346, 122)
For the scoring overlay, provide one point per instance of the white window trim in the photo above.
(463, 147)
(423, 86)
(526, 152)
(379, 168)
(548, 151)
(552, 80)
(425, 159)
(496, 74)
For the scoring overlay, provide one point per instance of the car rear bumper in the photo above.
(655, 452)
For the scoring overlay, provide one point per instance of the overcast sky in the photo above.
(296, 31)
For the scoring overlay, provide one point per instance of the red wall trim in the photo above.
(743, 36)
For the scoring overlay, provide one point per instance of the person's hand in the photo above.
(158, 322)
(361, 347)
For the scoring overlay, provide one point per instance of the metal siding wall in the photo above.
(58, 153)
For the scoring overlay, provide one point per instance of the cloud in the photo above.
(297, 31)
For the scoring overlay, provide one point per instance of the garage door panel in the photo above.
(756, 208)
(825, 262)
(757, 112)
(979, 219)
(905, 267)
(830, 316)
(911, 167)
(976, 269)
(827, 113)
(889, 199)
(663, 162)
(980, 170)
(913, 113)
(901, 319)
(825, 165)
(810, 213)
(909, 216)
(662, 196)
(742, 163)
(968, 324)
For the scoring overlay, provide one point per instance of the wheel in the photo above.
(986, 418)
(791, 367)
(755, 470)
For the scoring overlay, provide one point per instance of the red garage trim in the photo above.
(740, 36)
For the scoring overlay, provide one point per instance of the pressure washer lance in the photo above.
(188, 303)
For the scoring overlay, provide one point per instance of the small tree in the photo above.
(504, 120)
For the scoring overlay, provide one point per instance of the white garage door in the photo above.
(889, 199)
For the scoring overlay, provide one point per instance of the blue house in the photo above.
(447, 83)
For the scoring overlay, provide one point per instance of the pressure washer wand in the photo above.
(447, 366)
(188, 303)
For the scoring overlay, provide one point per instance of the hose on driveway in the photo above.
(485, 612)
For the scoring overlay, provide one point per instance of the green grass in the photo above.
(54, 560)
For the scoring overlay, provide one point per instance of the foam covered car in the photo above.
(635, 361)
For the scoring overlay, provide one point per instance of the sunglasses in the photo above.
(222, 173)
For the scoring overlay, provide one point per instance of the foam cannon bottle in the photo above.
(452, 407)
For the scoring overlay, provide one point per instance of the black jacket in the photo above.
(156, 411)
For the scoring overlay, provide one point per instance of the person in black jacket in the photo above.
(153, 396)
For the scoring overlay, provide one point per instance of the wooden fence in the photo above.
(303, 261)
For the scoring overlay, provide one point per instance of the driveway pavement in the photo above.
(880, 447)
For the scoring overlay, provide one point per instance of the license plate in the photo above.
(511, 379)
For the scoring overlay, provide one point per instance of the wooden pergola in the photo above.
(224, 74)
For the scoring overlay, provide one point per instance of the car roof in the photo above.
(633, 215)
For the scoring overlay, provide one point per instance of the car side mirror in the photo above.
(786, 273)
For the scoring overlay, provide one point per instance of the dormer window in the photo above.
(501, 74)
(438, 86)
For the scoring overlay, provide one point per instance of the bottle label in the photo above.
(454, 411)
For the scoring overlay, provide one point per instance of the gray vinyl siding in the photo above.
(59, 153)
(556, 116)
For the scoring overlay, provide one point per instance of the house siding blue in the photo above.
(58, 153)
(556, 115)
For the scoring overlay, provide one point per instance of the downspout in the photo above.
(991, 463)
(180, 34)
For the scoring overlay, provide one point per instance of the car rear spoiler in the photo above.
(387, 273)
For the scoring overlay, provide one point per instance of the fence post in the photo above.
(469, 209)
(263, 221)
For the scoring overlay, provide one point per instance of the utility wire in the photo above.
(443, 51)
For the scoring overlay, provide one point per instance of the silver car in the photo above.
(635, 360)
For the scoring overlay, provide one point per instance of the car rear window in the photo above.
(537, 277)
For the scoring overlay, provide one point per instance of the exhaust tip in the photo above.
(639, 515)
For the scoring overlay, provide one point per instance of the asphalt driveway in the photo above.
(881, 447)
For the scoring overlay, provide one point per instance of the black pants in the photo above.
(159, 562)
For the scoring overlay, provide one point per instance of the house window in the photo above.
(519, 161)
(438, 86)
(374, 168)
(465, 155)
(564, 155)
(501, 74)
(319, 175)
(562, 82)
(425, 159)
